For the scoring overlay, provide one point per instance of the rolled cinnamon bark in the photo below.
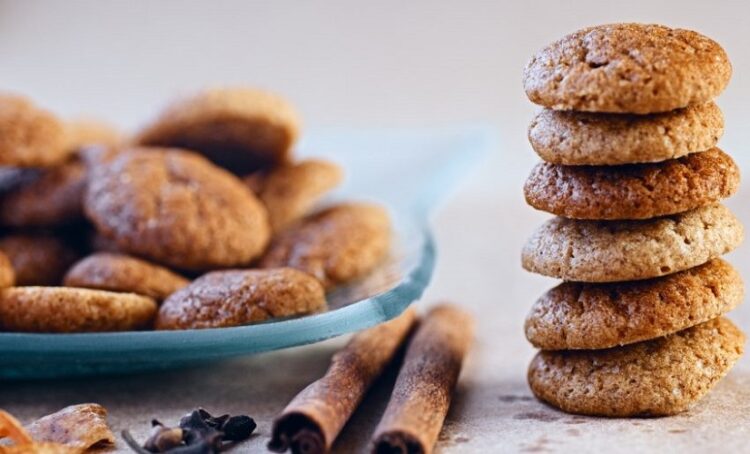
(313, 419)
(422, 393)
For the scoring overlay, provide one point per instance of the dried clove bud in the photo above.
(238, 428)
(162, 438)
(197, 430)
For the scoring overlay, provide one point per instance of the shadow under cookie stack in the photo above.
(628, 135)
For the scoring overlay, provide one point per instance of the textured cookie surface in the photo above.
(627, 68)
(29, 136)
(635, 191)
(595, 316)
(579, 138)
(38, 259)
(335, 245)
(241, 297)
(652, 378)
(72, 310)
(176, 208)
(45, 198)
(241, 129)
(121, 273)
(289, 191)
(611, 251)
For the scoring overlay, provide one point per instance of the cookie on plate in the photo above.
(73, 310)
(241, 297)
(659, 377)
(122, 273)
(176, 208)
(627, 68)
(336, 245)
(635, 191)
(290, 191)
(38, 258)
(240, 129)
(612, 251)
(579, 138)
(576, 315)
(48, 197)
(29, 136)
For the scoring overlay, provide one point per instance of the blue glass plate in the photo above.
(409, 171)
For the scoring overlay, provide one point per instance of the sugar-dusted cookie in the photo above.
(72, 310)
(29, 136)
(38, 258)
(241, 297)
(335, 245)
(635, 191)
(575, 315)
(240, 129)
(176, 208)
(46, 197)
(627, 68)
(122, 273)
(652, 378)
(579, 138)
(611, 251)
(289, 191)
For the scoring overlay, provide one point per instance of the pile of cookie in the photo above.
(202, 219)
(631, 170)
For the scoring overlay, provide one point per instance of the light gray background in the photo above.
(375, 64)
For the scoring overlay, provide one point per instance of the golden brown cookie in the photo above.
(627, 68)
(48, 197)
(7, 273)
(579, 138)
(595, 316)
(653, 378)
(241, 297)
(612, 251)
(29, 136)
(176, 208)
(73, 310)
(37, 258)
(86, 132)
(289, 191)
(121, 273)
(336, 245)
(240, 129)
(634, 191)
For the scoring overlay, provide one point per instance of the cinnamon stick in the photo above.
(313, 419)
(422, 393)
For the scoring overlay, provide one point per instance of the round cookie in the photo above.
(579, 138)
(289, 191)
(635, 191)
(72, 310)
(336, 245)
(29, 136)
(38, 259)
(7, 273)
(86, 132)
(612, 251)
(627, 68)
(652, 378)
(576, 315)
(176, 208)
(240, 129)
(46, 198)
(121, 273)
(241, 297)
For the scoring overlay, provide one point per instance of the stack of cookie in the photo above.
(632, 172)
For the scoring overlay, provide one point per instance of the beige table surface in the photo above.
(479, 237)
